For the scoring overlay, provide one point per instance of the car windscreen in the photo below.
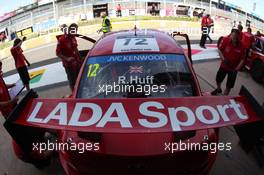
(136, 76)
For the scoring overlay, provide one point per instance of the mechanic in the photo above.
(204, 28)
(106, 24)
(64, 29)
(232, 54)
(258, 34)
(248, 40)
(210, 26)
(153, 10)
(67, 50)
(6, 107)
(20, 60)
(6, 104)
(118, 10)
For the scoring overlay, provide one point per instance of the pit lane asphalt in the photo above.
(235, 162)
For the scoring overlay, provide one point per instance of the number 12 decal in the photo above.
(137, 41)
(92, 70)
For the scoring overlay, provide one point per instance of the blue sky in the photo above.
(11, 5)
(245, 4)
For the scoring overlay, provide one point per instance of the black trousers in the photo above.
(231, 77)
(119, 13)
(208, 36)
(23, 73)
(204, 36)
(72, 76)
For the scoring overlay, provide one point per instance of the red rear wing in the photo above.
(146, 115)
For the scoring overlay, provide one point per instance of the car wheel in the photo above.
(257, 70)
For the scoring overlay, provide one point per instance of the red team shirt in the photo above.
(204, 21)
(67, 46)
(19, 57)
(210, 21)
(247, 39)
(232, 54)
(4, 96)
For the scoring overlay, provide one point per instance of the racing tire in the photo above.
(257, 71)
(219, 41)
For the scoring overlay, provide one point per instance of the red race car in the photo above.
(136, 99)
(255, 60)
(148, 59)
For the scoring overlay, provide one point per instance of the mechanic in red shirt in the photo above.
(258, 34)
(64, 29)
(204, 28)
(67, 50)
(248, 40)
(118, 10)
(232, 54)
(6, 104)
(20, 60)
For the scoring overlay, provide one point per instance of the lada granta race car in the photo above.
(136, 97)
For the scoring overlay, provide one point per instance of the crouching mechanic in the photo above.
(67, 50)
(6, 106)
(233, 55)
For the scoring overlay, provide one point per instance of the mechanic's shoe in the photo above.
(216, 92)
(203, 47)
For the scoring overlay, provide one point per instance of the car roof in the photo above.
(166, 43)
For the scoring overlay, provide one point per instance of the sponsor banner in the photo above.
(44, 26)
(136, 57)
(146, 115)
(7, 15)
(25, 32)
